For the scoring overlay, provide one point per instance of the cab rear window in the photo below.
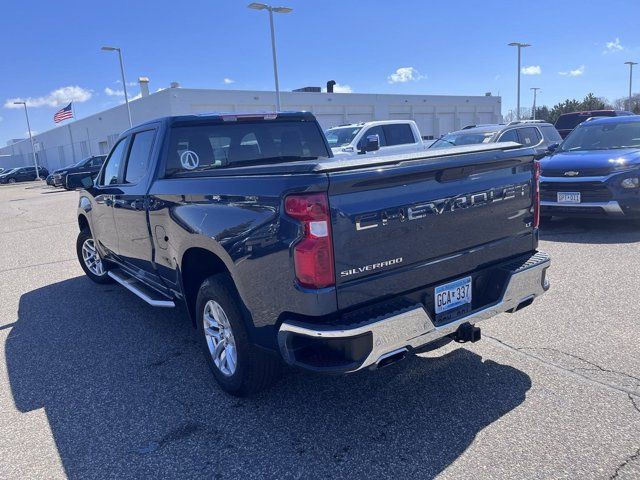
(194, 148)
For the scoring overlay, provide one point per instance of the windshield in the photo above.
(11, 170)
(462, 138)
(339, 137)
(605, 136)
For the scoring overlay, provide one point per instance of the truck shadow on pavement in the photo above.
(127, 394)
(589, 230)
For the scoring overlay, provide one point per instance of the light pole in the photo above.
(520, 47)
(270, 9)
(124, 82)
(631, 64)
(33, 150)
(535, 94)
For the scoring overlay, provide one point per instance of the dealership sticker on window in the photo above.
(189, 160)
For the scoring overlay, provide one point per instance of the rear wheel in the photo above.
(239, 367)
(89, 258)
(12, 180)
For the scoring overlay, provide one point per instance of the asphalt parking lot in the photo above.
(96, 384)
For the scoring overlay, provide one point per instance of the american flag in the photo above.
(63, 114)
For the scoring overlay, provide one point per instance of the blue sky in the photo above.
(441, 48)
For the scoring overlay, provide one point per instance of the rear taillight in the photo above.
(536, 194)
(313, 253)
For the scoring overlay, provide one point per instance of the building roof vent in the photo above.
(144, 86)
(174, 85)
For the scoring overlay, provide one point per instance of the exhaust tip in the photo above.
(391, 357)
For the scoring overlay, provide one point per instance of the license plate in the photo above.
(453, 294)
(568, 197)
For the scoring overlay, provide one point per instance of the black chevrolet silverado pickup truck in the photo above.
(281, 252)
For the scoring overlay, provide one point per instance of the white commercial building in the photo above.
(96, 134)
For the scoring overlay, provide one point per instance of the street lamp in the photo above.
(520, 47)
(631, 64)
(33, 150)
(535, 94)
(270, 9)
(124, 82)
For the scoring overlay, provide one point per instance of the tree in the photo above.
(623, 103)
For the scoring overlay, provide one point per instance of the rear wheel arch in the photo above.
(196, 266)
(83, 223)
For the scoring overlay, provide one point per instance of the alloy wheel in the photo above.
(220, 339)
(91, 258)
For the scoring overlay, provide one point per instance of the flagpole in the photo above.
(73, 150)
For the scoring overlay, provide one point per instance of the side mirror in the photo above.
(372, 144)
(553, 147)
(79, 180)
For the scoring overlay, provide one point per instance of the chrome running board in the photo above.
(152, 297)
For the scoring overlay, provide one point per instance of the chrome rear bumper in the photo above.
(413, 327)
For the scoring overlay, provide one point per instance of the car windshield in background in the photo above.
(208, 147)
(463, 138)
(571, 121)
(604, 136)
(339, 137)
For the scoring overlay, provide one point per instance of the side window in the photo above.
(551, 134)
(96, 162)
(398, 134)
(529, 136)
(139, 156)
(373, 131)
(509, 136)
(112, 170)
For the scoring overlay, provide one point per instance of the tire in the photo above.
(84, 245)
(240, 368)
(12, 180)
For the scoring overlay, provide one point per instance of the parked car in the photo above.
(2, 170)
(529, 133)
(22, 174)
(595, 171)
(281, 252)
(568, 121)
(90, 165)
(385, 137)
(49, 180)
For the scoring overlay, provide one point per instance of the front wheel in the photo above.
(12, 180)
(239, 367)
(89, 258)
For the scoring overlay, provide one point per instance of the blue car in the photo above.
(595, 172)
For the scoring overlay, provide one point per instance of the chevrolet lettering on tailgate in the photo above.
(441, 206)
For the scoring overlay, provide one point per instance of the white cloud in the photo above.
(574, 73)
(614, 46)
(338, 88)
(114, 93)
(129, 84)
(56, 98)
(228, 81)
(531, 70)
(404, 75)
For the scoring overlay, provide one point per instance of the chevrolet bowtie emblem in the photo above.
(571, 173)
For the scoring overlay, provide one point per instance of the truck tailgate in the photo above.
(424, 221)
